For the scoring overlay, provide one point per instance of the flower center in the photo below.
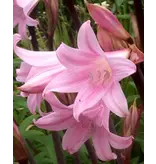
(102, 72)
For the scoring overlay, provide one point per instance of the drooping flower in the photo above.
(21, 11)
(62, 118)
(93, 73)
(111, 34)
(33, 100)
(45, 66)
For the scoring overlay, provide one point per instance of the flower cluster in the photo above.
(89, 71)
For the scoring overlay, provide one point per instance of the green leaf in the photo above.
(139, 139)
(26, 122)
(42, 158)
(131, 99)
(135, 160)
(119, 2)
(19, 102)
(48, 144)
(32, 134)
(84, 155)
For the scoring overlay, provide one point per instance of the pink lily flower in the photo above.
(45, 66)
(21, 11)
(93, 73)
(111, 34)
(62, 118)
(33, 100)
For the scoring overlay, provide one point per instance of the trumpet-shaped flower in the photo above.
(45, 66)
(93, 73)
(21, 11)
(62, 118)
(33, 100)
(111, 34)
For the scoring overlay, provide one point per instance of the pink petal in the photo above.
(115, 100)
(67, 82)
(124, 53)
(56, 105)
(22, 30)
(101, 145)
(27, 10)
(74, 58)
(121, 67)
(23, 94)
(87, 97)
(22, 3)
(106, 116)
(55, 121)
(35, 58)
(39, 100)
(95, 114)
(108, 21)
(87, 40)
(39, 81)
(119, 142)
(22, 72)
(99, 114)
(30, 21)
(34, 101)
(75, 137)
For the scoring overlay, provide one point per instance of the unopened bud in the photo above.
(131, 120)
(19, 149)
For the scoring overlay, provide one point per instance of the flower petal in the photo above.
(23, 72)
(23, 94)
(34, 101)
(115, 100)
(67, 82)
(55, 121)
(35, 58)
(56, 105)
(27, 10)
(121, 67)
(81, 135)
(40, 78)
(87, 97)
(107, 20)
(74, 58)
(124, 53)
(22, 29)
(23, 3)
(99, 114)
(119, 142)
(95, 114)
(101, 145)
(87, 40)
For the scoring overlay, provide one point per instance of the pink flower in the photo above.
(21, 11)
(111, 34)
(45, 66)
(62, 118)
(33, 100)
(94, 74)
